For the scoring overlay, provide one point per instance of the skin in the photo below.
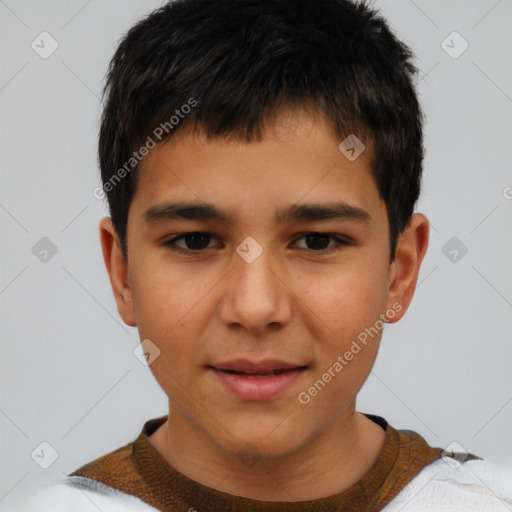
(291, 303)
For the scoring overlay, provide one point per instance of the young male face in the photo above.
(288, 305)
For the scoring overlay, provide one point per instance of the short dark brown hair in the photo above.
(241, 61)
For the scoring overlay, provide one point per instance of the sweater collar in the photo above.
(139, 469)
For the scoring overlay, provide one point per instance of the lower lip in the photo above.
(258, 388)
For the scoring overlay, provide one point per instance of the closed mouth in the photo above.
(272, 373)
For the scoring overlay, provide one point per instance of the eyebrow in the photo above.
(185, 210)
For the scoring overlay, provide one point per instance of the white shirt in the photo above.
(475, 485)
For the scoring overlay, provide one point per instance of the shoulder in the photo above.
(83, 495)
(472, 485)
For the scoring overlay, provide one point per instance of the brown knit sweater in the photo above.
(138, 469)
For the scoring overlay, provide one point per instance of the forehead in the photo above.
(297, 161)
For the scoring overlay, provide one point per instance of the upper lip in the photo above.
(248, 366)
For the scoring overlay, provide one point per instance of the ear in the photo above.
(117, 268)
(411, 247)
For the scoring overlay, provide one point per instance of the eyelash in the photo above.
(339, 243)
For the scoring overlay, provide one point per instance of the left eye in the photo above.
(320, 239)
(198, 241)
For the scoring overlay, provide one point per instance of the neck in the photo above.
(331, 463)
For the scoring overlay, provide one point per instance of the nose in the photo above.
(256, 296)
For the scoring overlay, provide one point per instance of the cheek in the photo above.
(168, 314)
(346, 302)
(345, 308)
(164, 298)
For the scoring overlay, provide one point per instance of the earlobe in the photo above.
(117, 268)
(411, 248)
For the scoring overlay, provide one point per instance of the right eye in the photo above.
(195, 242)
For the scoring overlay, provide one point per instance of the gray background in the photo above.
(68, 373)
